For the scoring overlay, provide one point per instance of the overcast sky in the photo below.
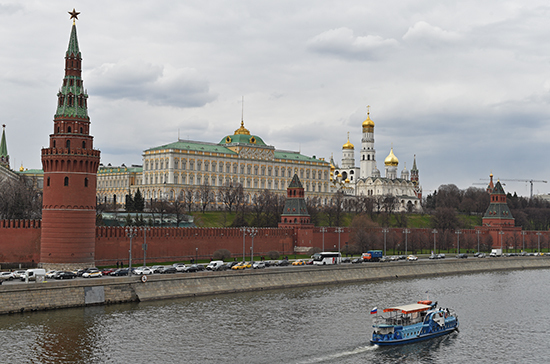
(464, 85)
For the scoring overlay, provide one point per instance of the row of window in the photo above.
(244, 169)
(66, 181)
(68, 144)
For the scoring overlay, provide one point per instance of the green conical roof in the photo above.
(3, 144)
(73, 44)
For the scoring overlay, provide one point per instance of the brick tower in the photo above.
(70, 165)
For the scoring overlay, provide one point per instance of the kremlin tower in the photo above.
(70, 165)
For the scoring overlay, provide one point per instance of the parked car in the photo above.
(157, 268)
(119, 272)
(168, 270)
(191, 269)
(7, 276)
(258, 265)
(232, 264)
(180, 267)
(433, 256)
(107, 271)
(412, 258)
(462, 256)
(481, 255)
(143, 270)
(441, 256)
(345, 260)
(222, 267)
(213, 265)
(92, 274)
(299, 262)
(283, 263)
(50, 273)
(18, 273)
(65, 275)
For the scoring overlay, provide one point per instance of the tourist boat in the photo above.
(414, 322)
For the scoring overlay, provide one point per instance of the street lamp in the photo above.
(144, 246)
(385, 231)
(406, 232)
(131, 233)
(196, 255)
(243, 229)
(339, 230)
(434, 231)
(252, 233)
(477, 233)
(323, 230)
(458, 232)
(523, 242)
(501, 233)
(538, 236)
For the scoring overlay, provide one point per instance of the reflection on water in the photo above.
(329, 324)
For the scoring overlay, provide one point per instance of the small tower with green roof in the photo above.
(4, 156)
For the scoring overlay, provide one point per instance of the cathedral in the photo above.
(366, 180)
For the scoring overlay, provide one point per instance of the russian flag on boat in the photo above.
(374, 310)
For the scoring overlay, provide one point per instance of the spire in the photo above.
(73, 50)
(4, 157)
(414, 164)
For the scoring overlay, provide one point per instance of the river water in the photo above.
(503, 319)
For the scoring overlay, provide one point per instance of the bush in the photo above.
(314, 250)
(273, 255)
(221, 254)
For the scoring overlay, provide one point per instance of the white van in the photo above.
(36, 274)
(214, 265)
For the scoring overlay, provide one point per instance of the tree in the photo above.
(139, 202)
(189, 199)
(20, 200)
(362, 235)
(445, 219)
(334, 209)
(221, 254)
(204, 196)
(228, 195)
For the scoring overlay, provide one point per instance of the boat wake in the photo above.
(330, 357)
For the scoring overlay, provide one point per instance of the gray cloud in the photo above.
(154, 84)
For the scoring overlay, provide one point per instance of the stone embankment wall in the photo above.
(52, 295)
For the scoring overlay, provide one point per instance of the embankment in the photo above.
(62, 294)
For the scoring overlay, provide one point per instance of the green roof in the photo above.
(285, 154)
(73, 44)
(242, 139)
(195, 146)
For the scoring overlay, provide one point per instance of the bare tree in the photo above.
(20, 200)
(189, 199)
(229, 195)
(334, 209)
(204, 196)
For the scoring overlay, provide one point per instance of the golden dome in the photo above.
(242, 130)
(347, 180)
(348, 145)
(339, 175)
(21, 169)
(368, 123)
(391, 159)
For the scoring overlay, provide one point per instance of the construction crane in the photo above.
(531, 181)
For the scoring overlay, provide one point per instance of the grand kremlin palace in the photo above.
(241, 158)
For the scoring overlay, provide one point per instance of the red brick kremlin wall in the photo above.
(20, 241)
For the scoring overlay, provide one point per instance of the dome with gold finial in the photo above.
(368, 124)
(348, 145)
(242, 130)
(242, 136)
(391, 159)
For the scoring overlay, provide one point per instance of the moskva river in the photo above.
(504, 318)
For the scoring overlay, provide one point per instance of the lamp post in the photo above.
(131, 233)
(477, 233)
(339, 230)
(501, 233)
(458, 232)
(385, 231)
(144, 246)
(434, 231)
(252, 233)
(406, 232)
(243, 229)
(323, 230)
(538, 236)
(523, 242)
(196, 255)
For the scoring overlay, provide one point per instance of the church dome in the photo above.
(391, 159)
(368, 124)
(348, 145)
(242, 130)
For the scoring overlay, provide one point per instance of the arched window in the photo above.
(48, 183)
(84, 145)
(69, 129)
(66, 182)
(68, 144)
(86, 182)
(81, 130)
(54, 143)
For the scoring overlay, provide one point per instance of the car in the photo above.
(191, 269)
(385, 259)
(412, 258)
(357, 261)
(232, 264)
(283, 263)
(64, 275)
(481, 255)
(81, 272)
(167, 270)
(258, 265)
(441, 256)
(222, 267)
(462, 256)
(433, 256)
(214, 264)
(157, 268)
(241, 265)
(345, 260)
(402, 257)
(119, 272)
(107, 271)
(18, 273)
(92, 274)
(143, 270)
(299, 262)
(180, 267)
(7, 276)
(50, 273)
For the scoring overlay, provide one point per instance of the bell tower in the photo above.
(70, 166)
